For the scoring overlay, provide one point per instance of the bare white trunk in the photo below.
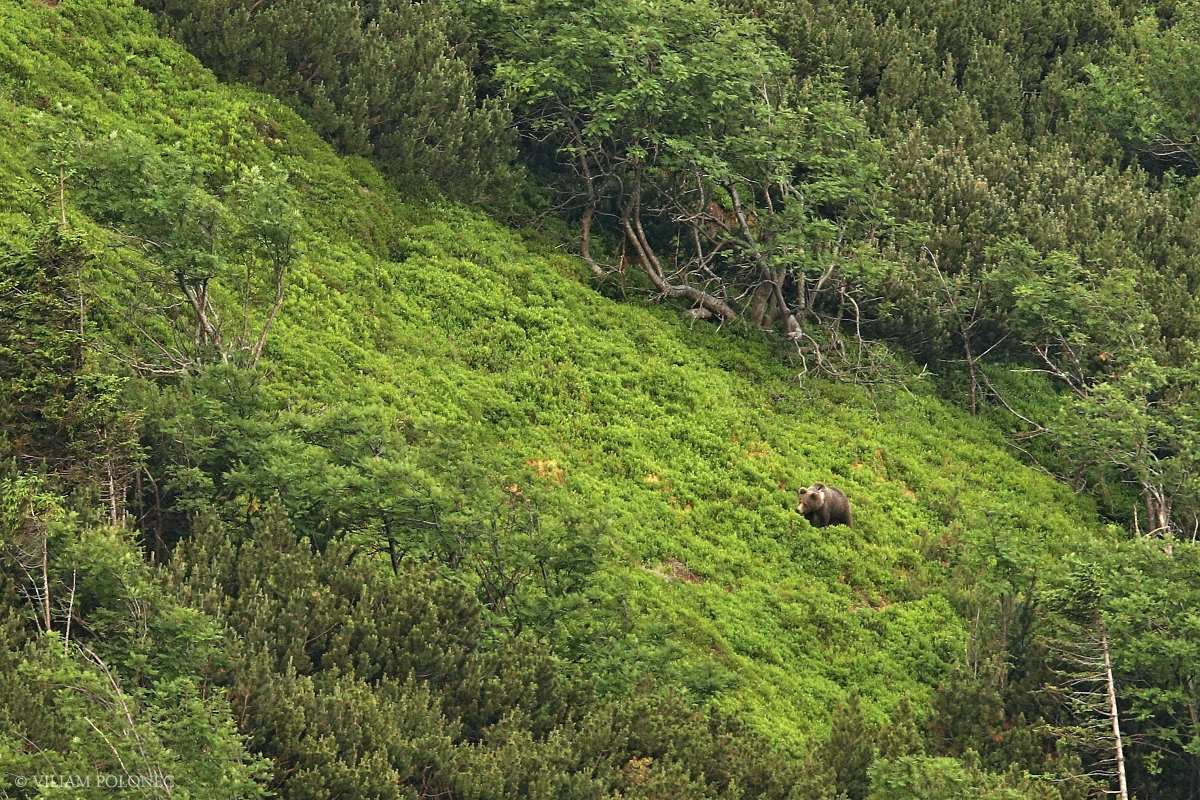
(70, 613)
(47, 618)
(113, 509)
(1158, 510)
(62, 196)
(1114, 716)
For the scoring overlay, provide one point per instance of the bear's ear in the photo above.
(817, 487)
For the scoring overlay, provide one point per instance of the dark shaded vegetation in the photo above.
(390, 78)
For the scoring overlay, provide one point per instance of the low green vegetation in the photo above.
(313, 488)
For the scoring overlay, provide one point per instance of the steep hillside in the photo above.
(655, 458)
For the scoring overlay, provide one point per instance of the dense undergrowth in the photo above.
(553, 490)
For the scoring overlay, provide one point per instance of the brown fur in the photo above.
(824, 505)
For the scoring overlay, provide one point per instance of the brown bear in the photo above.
(824, 505)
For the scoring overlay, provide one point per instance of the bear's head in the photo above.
(810, 499)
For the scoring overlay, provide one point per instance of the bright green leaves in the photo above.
(1147, 95)
(922, 778)
(1082, 318)
(681, 131)
(270, 221)
(631, 78)
(218, 248)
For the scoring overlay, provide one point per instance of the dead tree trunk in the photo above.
(1087, 688)
(1114, 715)
(47, 619)
(1158, 510)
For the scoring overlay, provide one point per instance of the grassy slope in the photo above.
(685, 442)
